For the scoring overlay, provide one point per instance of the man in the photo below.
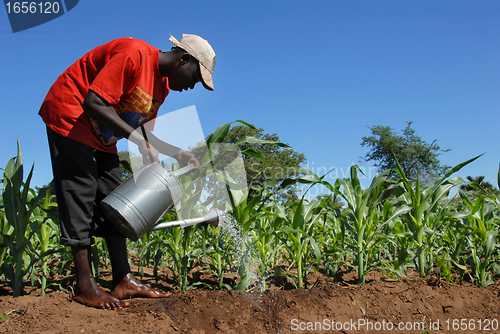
(106, 95)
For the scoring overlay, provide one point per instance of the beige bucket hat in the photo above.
(202, 51)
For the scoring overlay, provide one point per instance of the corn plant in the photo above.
(445, 268)
(222, 253)
(397, 261)
(5, 230)
(296, 234)
(483, 227)
(181, 245)
(454, 239)
(297, 239)
(145, 251)
(423, 203)
(397, 236)
(361, 217)
(331, 238)
(266, 242)
(20, 203)
(250, 215)
(216, 256)
(234, 253)
(47, 214)
(183, 253)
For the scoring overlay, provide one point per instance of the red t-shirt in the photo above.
(125, 73)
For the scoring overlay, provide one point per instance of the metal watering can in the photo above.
(139, 203)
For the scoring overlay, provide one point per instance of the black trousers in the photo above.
(83, 177)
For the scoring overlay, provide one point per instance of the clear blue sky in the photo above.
(317, 73)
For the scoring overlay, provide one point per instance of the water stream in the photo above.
(242, 250)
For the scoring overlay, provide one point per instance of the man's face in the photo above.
(186, 74)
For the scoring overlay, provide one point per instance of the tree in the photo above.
(277, 159)
(477, 185)
(333, 200)
(255, 171)
(415, 156)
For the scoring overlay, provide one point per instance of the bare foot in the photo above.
(130, 287)
(98, 298)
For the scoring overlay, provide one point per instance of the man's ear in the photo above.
(185, 58)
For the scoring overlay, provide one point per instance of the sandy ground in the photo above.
(415, 304)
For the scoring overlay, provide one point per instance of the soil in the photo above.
(376, 307)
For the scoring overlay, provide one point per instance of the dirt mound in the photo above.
(411, 305)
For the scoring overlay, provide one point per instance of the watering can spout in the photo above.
(212, 217)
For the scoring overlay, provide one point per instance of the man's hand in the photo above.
(187, 158)
(146, 152)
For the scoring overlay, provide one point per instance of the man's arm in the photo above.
(183, 157)
(104, 113)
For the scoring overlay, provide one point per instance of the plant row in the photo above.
(395, 225)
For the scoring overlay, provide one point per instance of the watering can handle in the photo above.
(183, 170)
(150, 156)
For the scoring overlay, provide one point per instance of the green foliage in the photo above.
(334, 201)
(361, 219)
(296, 233)
(415, 156)
(498, 177)
(476, 186)
(395, 224)
(20, 205)
(423, 203)
(43, 245)
(481, 225)
(128, 163)
(264, 157)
